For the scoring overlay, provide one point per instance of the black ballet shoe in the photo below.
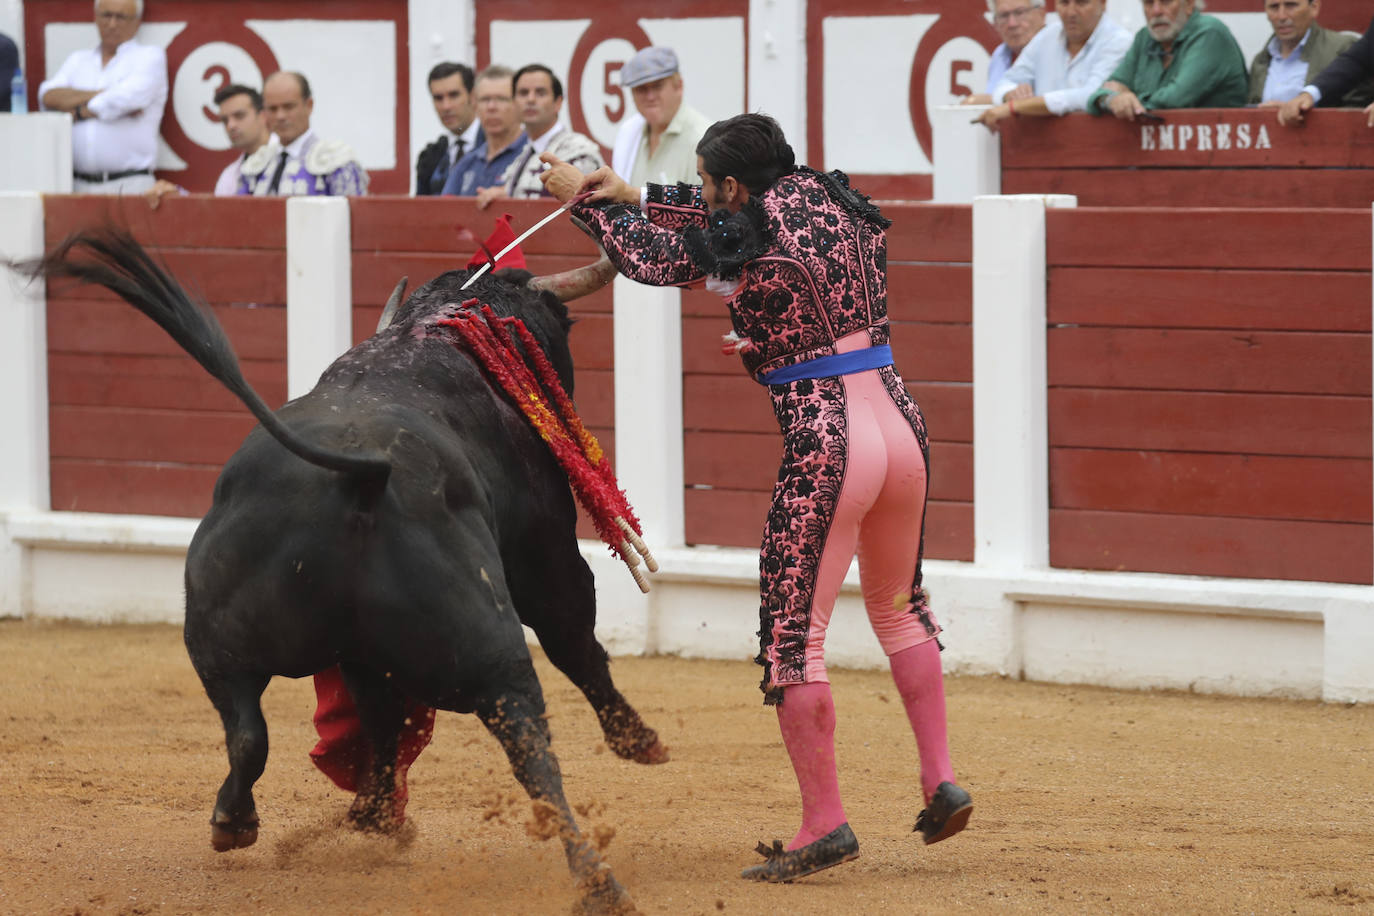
(945, 815)
(835, 848)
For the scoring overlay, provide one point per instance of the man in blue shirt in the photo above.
(484, 168)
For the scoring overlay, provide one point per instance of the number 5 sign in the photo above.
(709, 37)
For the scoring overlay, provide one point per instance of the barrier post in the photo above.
(968, 157)
(1010, 401)
(24, 483)
(319, 288)
(648, 441)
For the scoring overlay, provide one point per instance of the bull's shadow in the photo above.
(399, 521)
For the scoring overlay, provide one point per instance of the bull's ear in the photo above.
(392, 304)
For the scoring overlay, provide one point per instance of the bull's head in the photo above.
(566, 285)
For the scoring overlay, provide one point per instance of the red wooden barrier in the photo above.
(135, 425)
(732, 446)
(1211, 421)
(1194, 158)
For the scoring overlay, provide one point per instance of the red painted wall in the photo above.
(1209, 392)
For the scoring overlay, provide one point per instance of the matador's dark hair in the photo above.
(750, 147)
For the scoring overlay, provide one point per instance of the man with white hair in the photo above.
(658, 144)
(115, 94)
(1181, 59)
(1016, 23)
(1062, 65)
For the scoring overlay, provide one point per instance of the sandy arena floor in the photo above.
(1087, 800)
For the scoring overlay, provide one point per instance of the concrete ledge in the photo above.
(1128, 630)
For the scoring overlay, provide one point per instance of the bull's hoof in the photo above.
(603, 895)
(224, 837)
(643, 748)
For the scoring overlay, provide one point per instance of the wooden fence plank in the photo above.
(1208, 238)
(1275, 300)
(127, 488)
(1190, 483)
(929, 232)
(1211, 546)
(165, 383)
(1291, 362)
(140, 434)
(734, 518)
(89, 326)
(431, 224)
(1205, 140)
(193, 221)
(749, 461)
(1242, 188)
(217, 275)
(1255, 424)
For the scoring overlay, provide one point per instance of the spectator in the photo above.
(1016, 22)
(9, 62)
(1351, 67)
(450, 87)
(539, 97)
(1298, 50)
(659, 143)
(1062, 65)
(1181, 59)
(487, 165)
(298, 163)
(240, 110)
(115, 94)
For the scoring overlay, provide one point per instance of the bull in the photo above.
(400, 521)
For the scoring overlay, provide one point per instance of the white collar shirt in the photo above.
(1065, 82)
(228, 183)
(1287, 75)
(469, 138)
(121, 134)
(997, 65)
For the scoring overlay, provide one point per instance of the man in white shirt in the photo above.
(115, 94)
(1062, 65)
(1016, 23)
(298, 163)
(539, 96)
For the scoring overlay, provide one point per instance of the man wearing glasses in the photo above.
(487, 165)
(115, 94)
(1016, 22)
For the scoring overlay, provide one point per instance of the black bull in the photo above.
(426, 522)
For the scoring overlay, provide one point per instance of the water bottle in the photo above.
(19, 97)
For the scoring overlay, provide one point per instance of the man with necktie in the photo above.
(450, 88)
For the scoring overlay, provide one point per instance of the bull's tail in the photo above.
(112, 258)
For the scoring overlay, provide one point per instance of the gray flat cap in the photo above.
(648, 65)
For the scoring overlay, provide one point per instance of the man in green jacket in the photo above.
(1181, 59)
(1298, 50)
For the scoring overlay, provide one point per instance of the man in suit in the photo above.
(1298, 51)
(1348, 70)
(450, 87)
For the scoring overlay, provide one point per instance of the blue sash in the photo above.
(834, 364)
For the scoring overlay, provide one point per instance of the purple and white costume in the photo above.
(309, 167)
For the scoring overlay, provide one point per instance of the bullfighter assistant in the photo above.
(801, 260)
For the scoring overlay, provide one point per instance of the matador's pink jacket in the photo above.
(810, 252)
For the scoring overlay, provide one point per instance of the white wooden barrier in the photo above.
(1005, 613)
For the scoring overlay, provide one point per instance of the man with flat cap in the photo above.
(658, 144)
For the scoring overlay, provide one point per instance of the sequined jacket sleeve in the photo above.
(650, 248)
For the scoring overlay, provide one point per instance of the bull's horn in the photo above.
(392, 304)
(570, 284)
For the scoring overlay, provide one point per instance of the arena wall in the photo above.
(142, 438)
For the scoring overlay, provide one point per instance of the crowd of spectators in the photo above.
(497, 123)
(1181, 58)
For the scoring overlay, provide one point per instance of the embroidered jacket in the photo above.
(317, 168)
(809, 255)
